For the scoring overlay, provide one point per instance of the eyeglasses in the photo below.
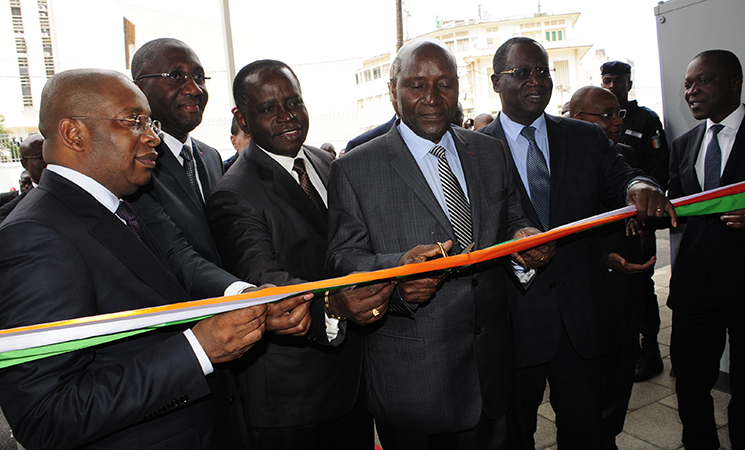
(141, 123)
(33, 157)
(178, 77)
(523, 74)
(620, 114)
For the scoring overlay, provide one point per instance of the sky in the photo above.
(300, 32)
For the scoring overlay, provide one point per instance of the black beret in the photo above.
(615, 68)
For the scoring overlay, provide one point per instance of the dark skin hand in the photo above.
(420, 290)
(633, 228)
(650, 202)
(227, 336)
(734, 219)
(534, 257)
(291, 316)
(357, 304)
(619, 264)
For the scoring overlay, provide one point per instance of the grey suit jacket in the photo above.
(433, 368)
(175, 216)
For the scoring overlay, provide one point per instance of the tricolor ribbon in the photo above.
(28, 343)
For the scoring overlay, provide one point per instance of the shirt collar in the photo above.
(173, 144)
(286, 161)
(89, 185)
(420, 147)
(512, 129)
(732, 121)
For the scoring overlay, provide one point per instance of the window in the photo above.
(368, 76)
(554, 35)
(376, 73)
(462, 45)
(561, 77)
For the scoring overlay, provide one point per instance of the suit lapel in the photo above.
(116, 236)
(286, 188)
(408, 170)
(736, 159)
(498, 132)
(169, 164)
(470, 164)
(689, 176)
(557, 140)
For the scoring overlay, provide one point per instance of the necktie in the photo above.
(539, 181)
(713, 160)
(458, 208)
(190, 169)
(307, 186)
(126, 213)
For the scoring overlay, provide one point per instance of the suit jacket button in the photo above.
(477, 331)
(474, 282)
(552, 286)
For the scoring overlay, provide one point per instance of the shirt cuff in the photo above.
(237, 287)
(204, 360)
(525, 277)
(332, 327)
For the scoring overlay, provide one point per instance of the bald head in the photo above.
(93, 122)
(73, 93)
(482, 120)
(598, 105)
(150, 52)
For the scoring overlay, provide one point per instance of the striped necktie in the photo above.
(459, 210)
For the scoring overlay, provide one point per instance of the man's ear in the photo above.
(241, 122)
(71, 133)
(737, 85)
(495, 82)
(392, 91)
(631, 84)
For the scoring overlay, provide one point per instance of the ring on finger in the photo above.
(375, 313)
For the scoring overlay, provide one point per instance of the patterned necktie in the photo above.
(126, 213)
(713, 160)
(458, 208)
(539, 180)
(191, 170)
(307, 186)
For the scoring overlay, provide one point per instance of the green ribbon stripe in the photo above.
(7, 359)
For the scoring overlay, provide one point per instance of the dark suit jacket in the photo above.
(369, 135)
(5, 197)
(709, 248)
(66, 256)
(175, 215)
(433, 368)
(8, 207)
(268, 231)
(588, 177)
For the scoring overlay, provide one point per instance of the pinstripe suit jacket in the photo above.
(433, 368)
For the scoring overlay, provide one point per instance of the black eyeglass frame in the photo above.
(177, 76)
(522, 73)
(621, 114)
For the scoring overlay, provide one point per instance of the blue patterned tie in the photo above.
(539, 180)
(713, 160)
(459, 210)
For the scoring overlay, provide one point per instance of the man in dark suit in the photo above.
(705, 296)
(642, 130)
(268, 216)
(73, 249)
(32, 160)
(567, 171)
(622, 244)
(439, 363)
(172, 204)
